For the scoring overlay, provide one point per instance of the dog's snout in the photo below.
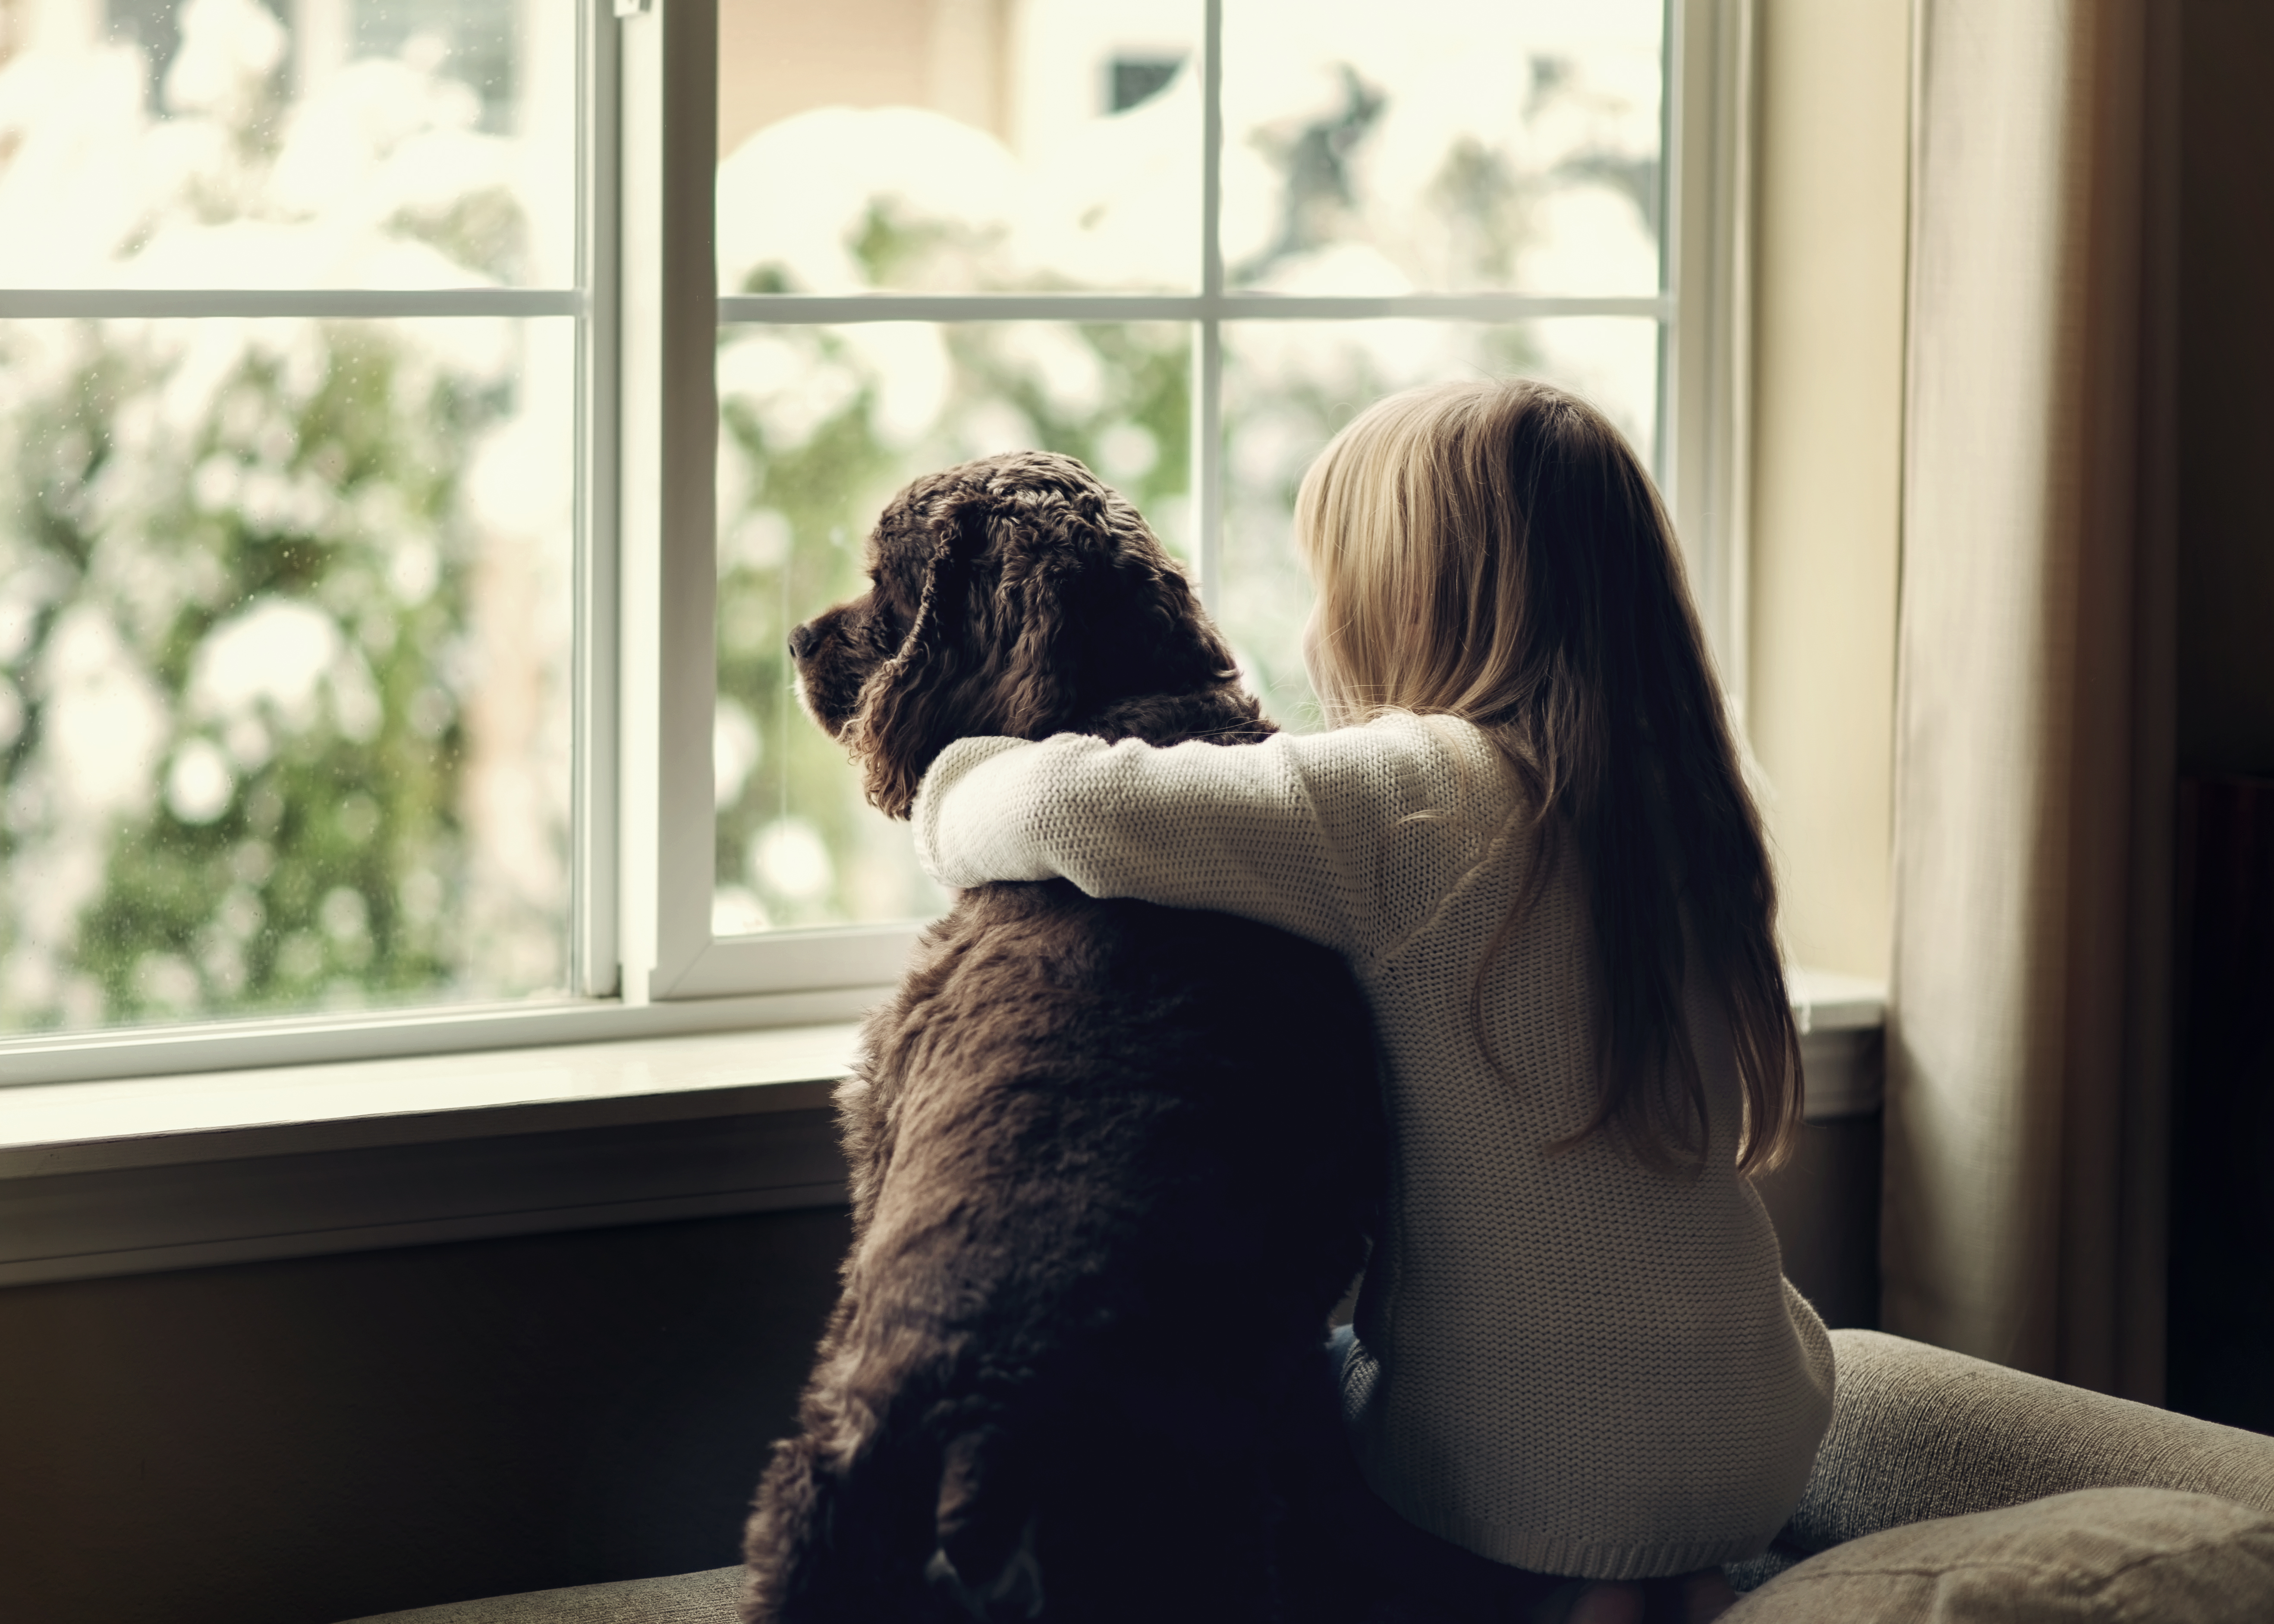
(801, 639)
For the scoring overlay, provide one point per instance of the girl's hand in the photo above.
(1692, 1598)
(1606, 1601)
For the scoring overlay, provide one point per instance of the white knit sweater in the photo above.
(1565, 1362)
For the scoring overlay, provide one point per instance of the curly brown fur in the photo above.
(1014, 595)
(1113, 1164)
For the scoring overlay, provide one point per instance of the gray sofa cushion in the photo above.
(2094, 1556)
(705, 1597)
(1920, 1432)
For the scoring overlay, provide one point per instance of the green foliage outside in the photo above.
(322, 874)
(283, 725)
(811, 446)
(247, 609)
(797, 844)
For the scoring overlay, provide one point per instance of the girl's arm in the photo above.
(1350, 838)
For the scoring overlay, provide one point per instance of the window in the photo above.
(289, 342)
(420, 425)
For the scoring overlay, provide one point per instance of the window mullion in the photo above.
(668, 327)
(1208, 459)
(595, 854)
(1208, 351)
(1704, 379)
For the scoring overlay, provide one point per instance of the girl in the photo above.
(1574, 1352)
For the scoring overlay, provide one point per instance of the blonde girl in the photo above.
(1526, 828)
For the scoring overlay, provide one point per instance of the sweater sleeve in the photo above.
(1350, 838)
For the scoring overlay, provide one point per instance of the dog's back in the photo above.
(1113, 1165)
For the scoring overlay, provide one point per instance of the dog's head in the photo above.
(1013, 595)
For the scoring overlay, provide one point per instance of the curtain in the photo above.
(2028, 1063)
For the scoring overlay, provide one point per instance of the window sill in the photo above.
(1840, 1018)
(149, 1173)
(152, 1174)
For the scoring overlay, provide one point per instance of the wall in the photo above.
(1831, 228)
(306, 1441)
(2227, 389)
(1830, 246)
(2221, 1284)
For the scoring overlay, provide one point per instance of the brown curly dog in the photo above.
(1112, 1163)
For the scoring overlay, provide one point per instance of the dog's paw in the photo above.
(1013, 1592)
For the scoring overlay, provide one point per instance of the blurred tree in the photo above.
(289, 580)
(813, 444)
(239, 589)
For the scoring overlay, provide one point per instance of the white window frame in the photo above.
(671, 81)
(644, 961)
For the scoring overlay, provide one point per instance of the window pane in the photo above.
(1475, 144)
(284, 640)
(318, 144)
(820, 427)
(932, 146)
(1289, 386)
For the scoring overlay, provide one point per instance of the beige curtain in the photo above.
(2027, 1053)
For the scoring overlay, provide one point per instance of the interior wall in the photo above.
(2222, 1274)
(2227, 404)
(305, 1441)
(1831, 226)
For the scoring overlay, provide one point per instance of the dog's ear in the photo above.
(1105, 615)
(1147, 633)
(1049, 556)
(917, 704)
(997, 644)
(1043, 599)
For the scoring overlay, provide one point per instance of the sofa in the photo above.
(1948, 1489)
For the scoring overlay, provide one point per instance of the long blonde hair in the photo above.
(1494, 550)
